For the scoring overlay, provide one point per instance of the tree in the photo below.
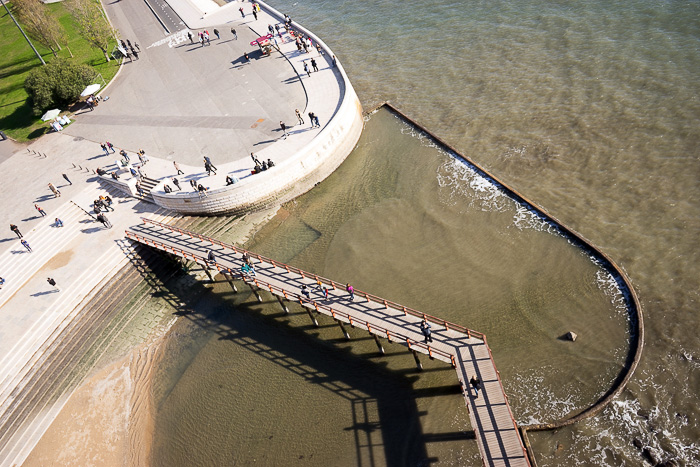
(57, 84)
(92, 23)
(40, 24)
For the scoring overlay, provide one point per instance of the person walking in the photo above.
(189, 35)
(176, 182)
(247, 57)
(301, 120)
(314, 65)
(136, 54)
(255, 159)
(209, 168)
(211, 258)
(106, 202)
(216, 33)
(41, 211)
(52, 282)
(104, 148)
(193, 184)
(284, 129)
(425, 329)
(325, 293)
(255, 14)
(58, 222)
(235, 36)
(351, 290)
(102, 218)
(15, 229)
(208, 161)
(67, 179)
(26, 245)
(306, 69)
(316, 122)
(54, 190)
(242, 13)
(248, 269)
(110, 146)
(305, 292)
(177, 167)
(476, 384)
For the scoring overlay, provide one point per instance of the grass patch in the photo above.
(17, 59)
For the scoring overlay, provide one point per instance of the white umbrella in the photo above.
(50, 115)
(92, 89)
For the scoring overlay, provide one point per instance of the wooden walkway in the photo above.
(496, 432)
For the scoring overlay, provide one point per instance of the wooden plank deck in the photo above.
(496, 432)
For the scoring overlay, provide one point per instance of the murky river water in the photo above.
(590, 110)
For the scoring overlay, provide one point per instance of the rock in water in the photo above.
(572, 336)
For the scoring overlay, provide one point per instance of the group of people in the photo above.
(129, 49)
(260, 166)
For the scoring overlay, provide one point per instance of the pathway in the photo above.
(466, 350)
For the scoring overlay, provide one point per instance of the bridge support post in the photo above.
(313, 318)
(255, 291)
(283, 305)
(379, 344)
(230, 281)
(206, 269)
(419, 365)
(342, 328)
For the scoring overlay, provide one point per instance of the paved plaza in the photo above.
(178, 102)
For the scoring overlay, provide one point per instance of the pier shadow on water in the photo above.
(376, 418)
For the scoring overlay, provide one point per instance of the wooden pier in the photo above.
(466, 350)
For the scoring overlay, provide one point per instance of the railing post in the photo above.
(283, 305)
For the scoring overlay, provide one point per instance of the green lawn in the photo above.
(17, 59)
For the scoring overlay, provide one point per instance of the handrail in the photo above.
(391, 336)
(335, 285)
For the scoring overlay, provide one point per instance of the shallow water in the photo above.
(590, 110)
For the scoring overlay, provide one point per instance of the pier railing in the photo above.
(470, 333)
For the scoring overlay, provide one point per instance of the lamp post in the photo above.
(22, 31)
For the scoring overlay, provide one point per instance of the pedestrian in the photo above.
(102, 218)
(335, 62)
(110, 146)
(128, 42)
(425, 329)
(104, 148)
(351, 291)
(305, 291)
(189, 34)
(136, 54)
(125, 155)
(139, 188)
(318, 125)
(209, 168)
(318, 48)
(66, 177)
(245, 257)
(242, 13)
(15, 229)
(216, 33)
(298, 43)
(211, 258)
(41, 211)
(202, 190)
(206, 36)
(255, 159)
(235, 36)
(55, 192)
(271, 30)
(128, 55)
(51, 281)
(107, 202)
(306, 69)
(177, 167)
(476, 384)
(208, 161)
(284, 129)
(246, 56)
(325, 293)
(248, 270)
(176, 183)
(306, 47)
(301, 120)
(193, 184)
(59, 222)
(137, 47)
(167, 189)
(123, 43)
(277, 28)
(231, 180)
(26, 245)
(314, 65)
(255, 13)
